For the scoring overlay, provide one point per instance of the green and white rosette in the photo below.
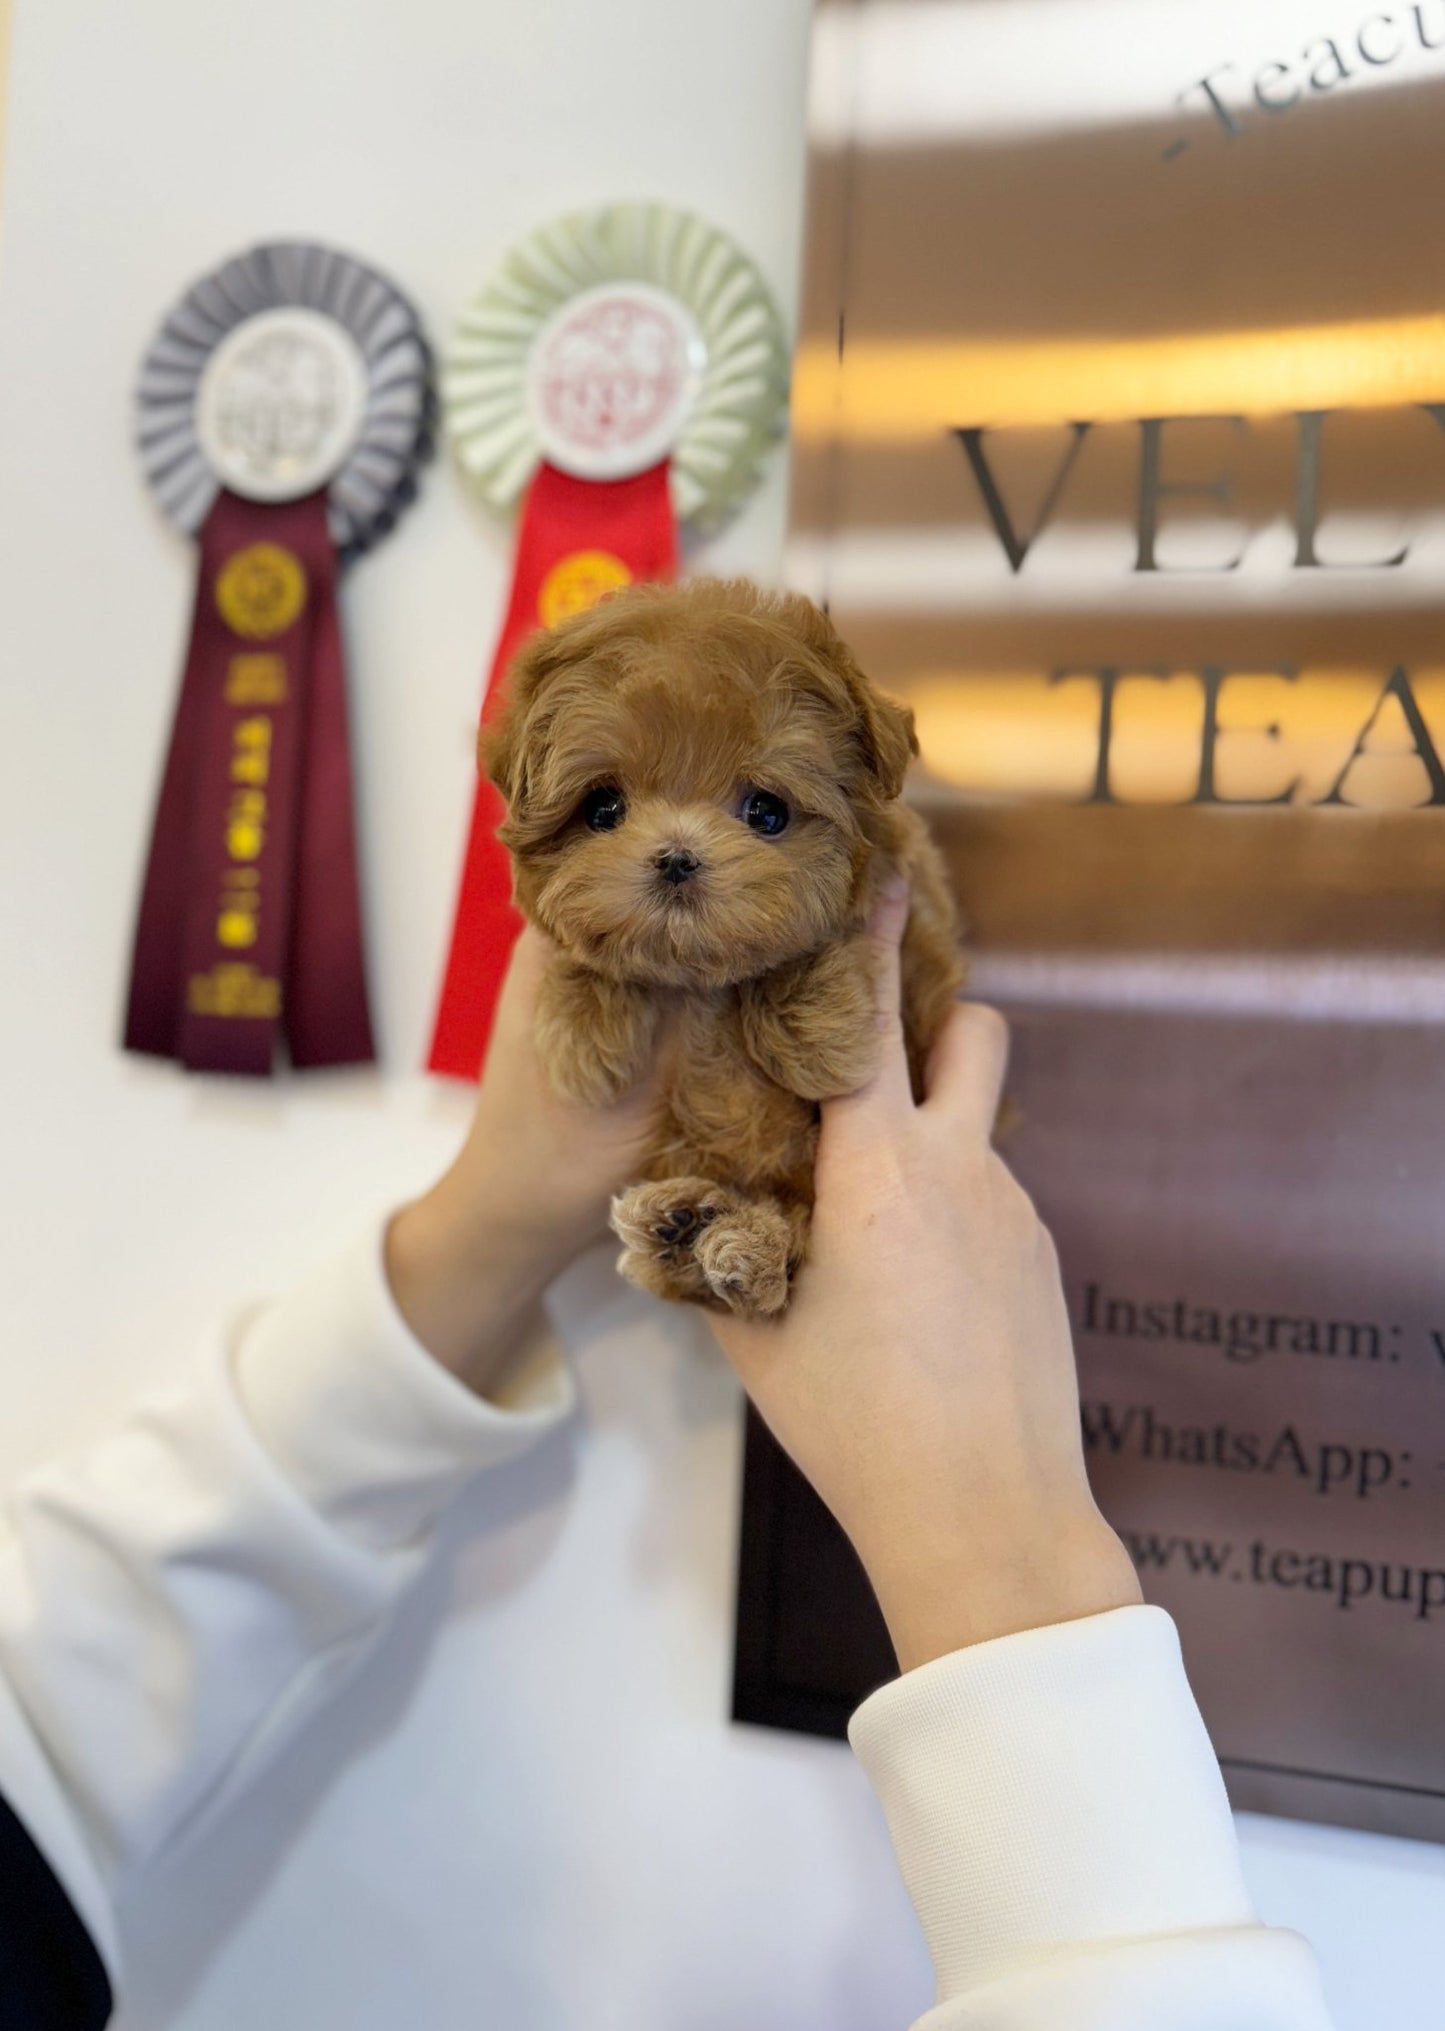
(611, 339)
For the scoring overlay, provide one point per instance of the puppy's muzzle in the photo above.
(675, 865)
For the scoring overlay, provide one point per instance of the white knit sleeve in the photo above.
(1062, 1828)
(176, 1601)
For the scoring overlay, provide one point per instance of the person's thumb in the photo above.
(887, 1092)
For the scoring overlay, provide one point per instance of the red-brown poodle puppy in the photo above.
(703, 794)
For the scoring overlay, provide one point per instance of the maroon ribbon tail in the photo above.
(156, 999)
(328, 1019)
(250, 920)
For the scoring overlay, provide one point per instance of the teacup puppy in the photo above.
(703, 807)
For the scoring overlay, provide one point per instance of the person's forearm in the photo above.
(175, 1602)
(468, 1278)
(1027, 1566)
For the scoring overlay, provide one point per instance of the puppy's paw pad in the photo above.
(665, 1219)
(666, 1275)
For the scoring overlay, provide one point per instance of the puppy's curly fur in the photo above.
(703, 806)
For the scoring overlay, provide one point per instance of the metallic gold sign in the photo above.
(1119, 450)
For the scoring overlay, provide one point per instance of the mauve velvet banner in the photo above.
(1119, 453)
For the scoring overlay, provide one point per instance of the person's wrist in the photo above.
(467, 1272)
(998, 1576)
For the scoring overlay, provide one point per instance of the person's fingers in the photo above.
(530, 955)
(888, 1090)
(966, 1070)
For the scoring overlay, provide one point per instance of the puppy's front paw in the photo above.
(579, 1071)
(813, 1026)
(594, 1036)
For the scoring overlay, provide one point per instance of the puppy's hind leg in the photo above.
(695, 1241)
(657, 1225)
(749, 1254)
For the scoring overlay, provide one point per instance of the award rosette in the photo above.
(282, 412)
(624, 371)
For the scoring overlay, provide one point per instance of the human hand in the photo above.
(530, 1188)
(922, 1377)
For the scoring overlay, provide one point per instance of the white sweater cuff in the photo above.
(1051, 1792)
(1247, 1979)
(372, 1432)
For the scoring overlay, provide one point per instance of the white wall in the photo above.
(531, 1812)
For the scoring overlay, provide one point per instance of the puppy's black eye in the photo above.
(765, 813)
(604, 808)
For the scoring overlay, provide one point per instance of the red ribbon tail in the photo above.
(486, 928)
(577, 539)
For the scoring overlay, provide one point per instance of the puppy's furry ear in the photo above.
(497, 748)
(501, 746)
(885, 729)
(889, 738)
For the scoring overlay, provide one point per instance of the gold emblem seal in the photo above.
(577, 582)
(260, 591)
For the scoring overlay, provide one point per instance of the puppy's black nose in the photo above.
(676, 865)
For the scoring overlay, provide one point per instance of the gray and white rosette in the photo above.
(289, 368)
(611, 339)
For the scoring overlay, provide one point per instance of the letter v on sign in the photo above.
(1015, 547)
